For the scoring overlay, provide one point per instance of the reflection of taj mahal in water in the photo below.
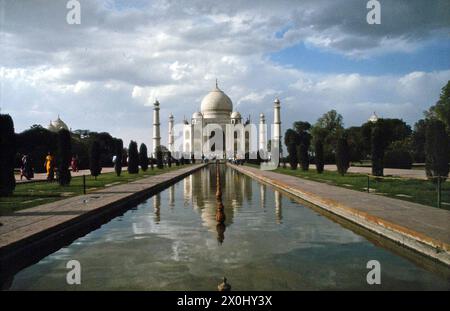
(201, 136)
(204, 201)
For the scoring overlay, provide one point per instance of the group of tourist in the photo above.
(26, 168)
(50, 165)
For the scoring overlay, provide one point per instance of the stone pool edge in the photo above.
(405, 237)
(22, 251)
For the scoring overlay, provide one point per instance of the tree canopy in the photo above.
(328, 128)
(441, 110)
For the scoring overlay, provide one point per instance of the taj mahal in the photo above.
(216, 130)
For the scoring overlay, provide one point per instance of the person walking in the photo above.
(50, 166)
(28, 169)
(74, 163)
(22, 168)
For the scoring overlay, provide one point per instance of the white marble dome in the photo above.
(236, 115)
(216, 101)
(373, 118)
(57, 125)
(197, 115)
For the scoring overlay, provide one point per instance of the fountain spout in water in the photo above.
(220, 213)
(224, 286)
(218, 184)
(220, 210)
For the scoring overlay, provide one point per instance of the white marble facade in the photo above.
(201, 134)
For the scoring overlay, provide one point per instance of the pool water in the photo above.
(269, 241)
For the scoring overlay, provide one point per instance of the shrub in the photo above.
(319, 156)
(133, 158)
(378, 144)
(152, 163)
(398, 156)
(291, 140)
(143, 157)
(7, 153)
(436, 150)
(303, 156)
(64, 157)
(159, 158)
(342, 155)
(94, 159)
(169, 159)
(119, 157)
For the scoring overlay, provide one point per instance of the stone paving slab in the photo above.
(404, 173)
(27, 223)
(395, 172)
(43, 176)
(423, 228)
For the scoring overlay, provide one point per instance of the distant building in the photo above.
(57, 125)
(216, 108)
(373, 118)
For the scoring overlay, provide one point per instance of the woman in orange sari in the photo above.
(50, 167)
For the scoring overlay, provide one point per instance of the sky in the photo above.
(315, 55)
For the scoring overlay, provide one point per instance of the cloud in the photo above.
(105, 73)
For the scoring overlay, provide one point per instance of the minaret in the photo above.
(276, 120)
(156, 127)
(278, 207)
(171, 138)
(262, 132)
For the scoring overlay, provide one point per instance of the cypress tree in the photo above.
(159, 158)
(169, 159)
(378, 145)
(291, 140)
(143, 157)
(437, 150)
(133, 158)
(152, 163)
(119, 157)
(258, 157)
(303, 141)
(64, 152)
(342, 155)
(320, 163)
(303, 156)
(94, 159)
(7, 153)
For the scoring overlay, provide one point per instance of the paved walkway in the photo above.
(423, 228)
(29, 225)
(397, 172)
(418, 174)
(43, 176)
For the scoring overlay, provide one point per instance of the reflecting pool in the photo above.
(268, 241)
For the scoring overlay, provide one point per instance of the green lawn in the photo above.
(36, 193)
(414, 190)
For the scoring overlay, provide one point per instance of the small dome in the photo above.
(235, 115)
(216, 101)
(197, 115)
(57, 125)
(373, 118)
(261, 115)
